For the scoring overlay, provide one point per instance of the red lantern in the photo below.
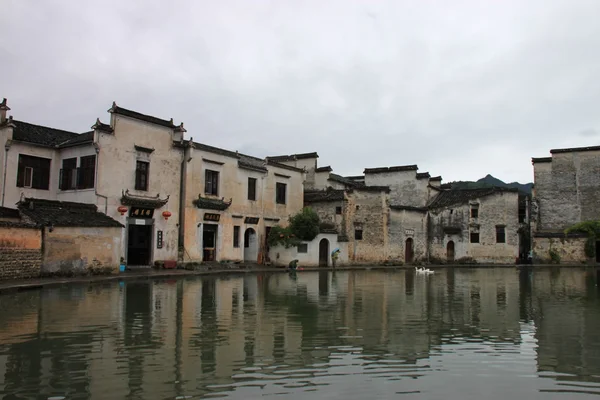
(122, 210)
(166, 214)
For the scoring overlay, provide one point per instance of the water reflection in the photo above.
(460, 333)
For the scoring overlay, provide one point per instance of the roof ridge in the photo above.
(48, 127)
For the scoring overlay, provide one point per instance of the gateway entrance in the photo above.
(139, 245)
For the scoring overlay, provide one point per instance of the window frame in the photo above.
(33, 172)
(280, 191)
(474, 213)
(211, 186)
(236, 236)
(358, 234)
(338, 210)
(142, 173)
(303, 248)
(86, 175)
(471, 237)
(500, 233)
(252, 188)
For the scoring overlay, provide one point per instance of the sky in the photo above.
(462, 88)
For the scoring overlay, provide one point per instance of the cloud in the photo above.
(462, 90)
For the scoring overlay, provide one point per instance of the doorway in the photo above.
(209, 242)
(323, 253)
(409, 252)
(450, 251)
(139, 245)
(250, 245)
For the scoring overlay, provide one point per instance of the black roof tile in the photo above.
(49, 137)
(6, 212)
(211, 204)
(316, 196)
(448, 198)
(142, 117)
(541, 160)
(63, 213)
(398, 168)
(292, 157)
(423, 175)
(408, 208)
(324, 169)
(574, 149)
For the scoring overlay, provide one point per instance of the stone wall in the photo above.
(280, 256)
(20, 251)
(81, 250)
(405, 188)
(404, 225)
(570, 250)
(567, 189)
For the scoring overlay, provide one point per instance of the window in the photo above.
(251, 188)
(474, 237)
(338, 210)
(87, 172)
(68, 174)
(522, 214)
(500, 234)
(358, 234)
(474, 212)
(211, 182)
(280, 189)
(303, 248)
(33, 172)
(236, 236)
(141, 175)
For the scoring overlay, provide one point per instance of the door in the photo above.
(209, 242)
(408, 251)
(139, 245)
(450, 251)
(250, 246)
(323, 252)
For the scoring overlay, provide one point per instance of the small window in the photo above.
(451, 211)
(500, 234)
(236, 236)
(33, 172)
(358, 234)
(141, 175)
(522, 214)
(474, 237)
(251, 188)
(338, 210)
(303, 248)
(280, 195)
(474, 212)
(87, 172)
(211, 182)
(68, 174)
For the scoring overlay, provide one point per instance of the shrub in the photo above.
(554, 256)
(592, 229)
(304, 226)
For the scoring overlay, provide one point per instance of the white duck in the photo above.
(423, 270)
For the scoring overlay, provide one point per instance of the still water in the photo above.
(457, 334)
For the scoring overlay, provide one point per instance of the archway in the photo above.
(250, 246)
(409, 252)
(450, 251)
(323, 253)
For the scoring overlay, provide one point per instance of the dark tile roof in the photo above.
(344, 181)
(324, 169)
(356, 178)
(252, 164)
(408, 208)
(423, 175)
(283, 166)
(211, 204)
(142, 117)
(18, 224)
(363, 188)
(6, 212)
(292, 157)
(48, 137)
(436, 178)
(217, 150)
(63, 213)
(102, 127)
(316, 196)
(574, 149)
(128, 199)
(397, 168)
(448, 198)
(541, 160)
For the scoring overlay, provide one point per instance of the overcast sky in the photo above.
(461, 88)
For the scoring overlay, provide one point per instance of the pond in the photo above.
(492, 333)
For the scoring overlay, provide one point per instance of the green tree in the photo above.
(303, 226)
(592, 229)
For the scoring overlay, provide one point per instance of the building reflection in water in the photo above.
(198, 336)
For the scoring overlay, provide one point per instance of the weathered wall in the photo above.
(496, 209)
(78, 250)
(571, 179)
(570, 250)
(405, 224)
(367, 211)
(20, 252)
(233, 185)
(280, 256)
(326, 212)
(116, 172)
(405, 188)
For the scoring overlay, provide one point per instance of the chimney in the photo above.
(3, 109)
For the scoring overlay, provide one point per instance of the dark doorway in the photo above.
(598, 251)
(267, 248)
(139, 245)
(450, 251)
(209, 242)
(409, 252)
(323, 252)
(250, 246)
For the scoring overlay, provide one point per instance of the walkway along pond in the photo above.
(457, 334)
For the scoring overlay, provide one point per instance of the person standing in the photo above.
(334, 256)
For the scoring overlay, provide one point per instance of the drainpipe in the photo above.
(182, 193)
(6, 147)
(97, 148)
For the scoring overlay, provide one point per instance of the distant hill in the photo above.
(489, 181)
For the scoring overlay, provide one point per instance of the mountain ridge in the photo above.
(491, 181)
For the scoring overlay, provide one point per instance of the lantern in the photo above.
(122, 210)
(166, 214)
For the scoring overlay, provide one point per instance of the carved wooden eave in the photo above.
(180, 128)
(212, 204)
(128, 199)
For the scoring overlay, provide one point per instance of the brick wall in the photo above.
(17, 263)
